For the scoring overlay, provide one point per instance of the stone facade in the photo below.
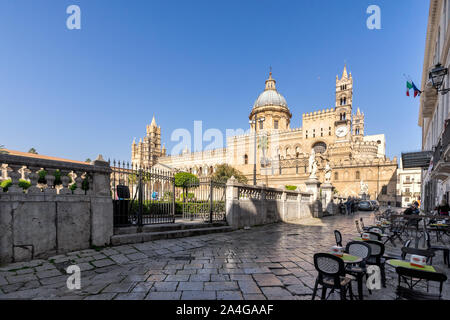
(336, 134)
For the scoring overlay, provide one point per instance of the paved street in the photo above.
(270, 262)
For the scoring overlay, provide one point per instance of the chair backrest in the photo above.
(405, 245)
(338, 237)
(329, 265)
(359, 249)
(377, 249)
(427, 239)
(419, 252)
(374, 235)
(362, 222)
(357, 226)
(421, 274)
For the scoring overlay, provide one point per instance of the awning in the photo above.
(416, 159)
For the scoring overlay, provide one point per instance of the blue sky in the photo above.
(79, 93)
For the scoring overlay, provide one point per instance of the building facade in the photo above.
(435, 107)
(337, 136)
(408, 185)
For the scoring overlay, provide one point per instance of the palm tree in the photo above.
(33, 151)
(2, 147)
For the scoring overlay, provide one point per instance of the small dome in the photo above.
(270, 98)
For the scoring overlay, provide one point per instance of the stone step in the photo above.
(168, 227)
(121, 239)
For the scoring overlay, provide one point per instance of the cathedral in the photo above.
(335, 134)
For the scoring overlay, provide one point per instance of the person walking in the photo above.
(348, 205)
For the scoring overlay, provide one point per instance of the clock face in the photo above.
(341, 131)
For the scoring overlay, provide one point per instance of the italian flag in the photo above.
(409, 86)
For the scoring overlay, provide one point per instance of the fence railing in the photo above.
(142, 195)
(25, 175)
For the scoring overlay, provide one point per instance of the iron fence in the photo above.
(204, 199)
(141, 195)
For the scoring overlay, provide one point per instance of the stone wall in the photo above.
(257, 205)
(46, 220)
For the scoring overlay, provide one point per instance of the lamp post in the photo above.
(437, 75)
(255, 122)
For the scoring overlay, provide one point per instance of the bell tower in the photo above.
(147, 152)
(344, 102)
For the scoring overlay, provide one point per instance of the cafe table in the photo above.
(406, 264)
(348, 258)
(439, 228)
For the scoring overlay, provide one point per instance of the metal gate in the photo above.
(204, 199)
(141, 195)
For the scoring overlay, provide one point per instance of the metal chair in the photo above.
(338, 237)
(374, 235)
(332, 276)
(358, 228)
(362, 250)
(445, 250)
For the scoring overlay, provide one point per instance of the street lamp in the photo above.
(255, 121)
(437, 75)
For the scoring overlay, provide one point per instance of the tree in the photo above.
(224, 172)
(185, 180)
(88, 160)
(2, 147)
(33, 151)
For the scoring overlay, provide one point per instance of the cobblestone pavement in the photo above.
(270, 262)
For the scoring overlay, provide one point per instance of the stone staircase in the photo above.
(133, 234)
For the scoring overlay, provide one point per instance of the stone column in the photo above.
(232, 202)
(312, 185)
(327, 194)
(101, 204)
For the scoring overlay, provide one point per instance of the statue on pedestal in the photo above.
(312, 165)
(328, 173)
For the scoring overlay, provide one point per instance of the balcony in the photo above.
(441, 165)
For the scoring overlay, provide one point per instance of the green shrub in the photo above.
(291, 188)
(24, 184)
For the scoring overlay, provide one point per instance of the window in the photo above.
(261, 125)
(357, 175)
(306, 134)
(314, 133)
(275, 124)
(329, 131)
(321, 132)
(336, 176)
(246, 159)
(384, 190)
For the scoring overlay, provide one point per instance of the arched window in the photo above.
(357, 175)
(200, 171)
(246, 159)
(336, 176)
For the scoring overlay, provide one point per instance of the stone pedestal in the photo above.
(313, 185)
(327, 198)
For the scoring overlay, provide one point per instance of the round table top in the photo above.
(350, 259)
(406, 264)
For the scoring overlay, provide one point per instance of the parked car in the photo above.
(375, 204)
(365, 206)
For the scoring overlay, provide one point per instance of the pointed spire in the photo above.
(153, 124)
(344, 73)
(358, 112)
(134, 141)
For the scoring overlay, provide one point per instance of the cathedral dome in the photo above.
(270, 98)
(272, 107)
